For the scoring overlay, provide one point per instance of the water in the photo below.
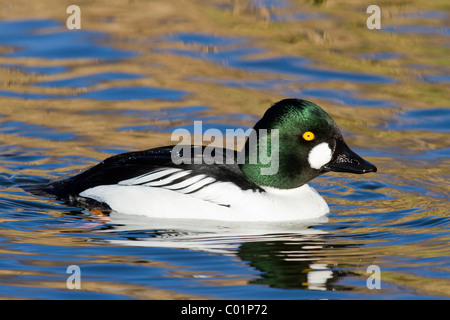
(71, 98)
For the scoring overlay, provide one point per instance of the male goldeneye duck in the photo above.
(294, 142)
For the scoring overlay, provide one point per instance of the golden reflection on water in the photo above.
(335, 42)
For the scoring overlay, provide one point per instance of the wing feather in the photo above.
(152, 168)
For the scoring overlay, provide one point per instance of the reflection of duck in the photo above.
(287, 255)
(289, 263)
(295, 142)
(222, 237)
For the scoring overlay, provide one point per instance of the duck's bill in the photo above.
(345, 160)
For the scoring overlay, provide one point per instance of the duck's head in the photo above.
(301, 141)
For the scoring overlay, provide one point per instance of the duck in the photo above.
(294, 142)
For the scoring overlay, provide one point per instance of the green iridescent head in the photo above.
(294, 142)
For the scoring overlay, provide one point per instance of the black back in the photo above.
(133, 164)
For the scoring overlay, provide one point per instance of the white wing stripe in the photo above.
(168, 179)
(148, 177)
(189, 185)
(186, 183)
(198, 185)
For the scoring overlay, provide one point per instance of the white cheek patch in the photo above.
(319, 155)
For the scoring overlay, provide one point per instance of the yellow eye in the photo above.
(308, 136)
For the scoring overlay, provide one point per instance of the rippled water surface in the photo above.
(135, 72)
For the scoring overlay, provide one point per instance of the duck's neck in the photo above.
(266, 164)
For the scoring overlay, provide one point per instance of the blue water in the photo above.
(429, 119)
(110, 94)
(396, 221)
(296, 66)
(88, 81)
(46, 39)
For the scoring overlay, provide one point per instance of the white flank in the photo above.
(320, 155)
(217, 201)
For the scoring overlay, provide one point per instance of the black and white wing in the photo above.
(151, 168)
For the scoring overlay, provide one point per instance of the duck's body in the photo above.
(149, 183)
(154, 183)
